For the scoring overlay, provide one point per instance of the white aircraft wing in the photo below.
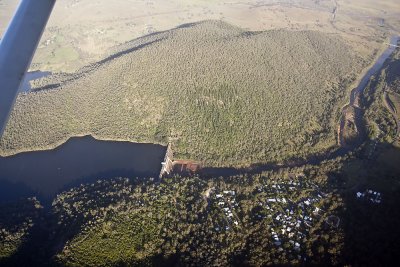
(17, 48)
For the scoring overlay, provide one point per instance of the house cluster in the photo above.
(227, 203)
(373, 196)
(292, 207)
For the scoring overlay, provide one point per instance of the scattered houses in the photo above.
(227, 203)
(370, 195)
(291, 211)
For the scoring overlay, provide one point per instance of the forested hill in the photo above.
(218, 93)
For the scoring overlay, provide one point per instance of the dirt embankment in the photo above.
(350, 129)
(186, 166)
(392, 103)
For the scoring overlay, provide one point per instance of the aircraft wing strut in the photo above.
(17, 48)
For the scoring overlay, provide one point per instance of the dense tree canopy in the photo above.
(219, 94)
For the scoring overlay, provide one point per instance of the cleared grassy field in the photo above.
(92, 28)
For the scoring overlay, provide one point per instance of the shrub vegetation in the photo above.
(220, 94)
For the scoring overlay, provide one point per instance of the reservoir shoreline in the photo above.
(134, 161)
(80, 159)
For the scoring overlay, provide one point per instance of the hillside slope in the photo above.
(218, 93)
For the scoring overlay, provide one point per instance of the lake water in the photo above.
(78, 160)
(30, 76)
(85, 158)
